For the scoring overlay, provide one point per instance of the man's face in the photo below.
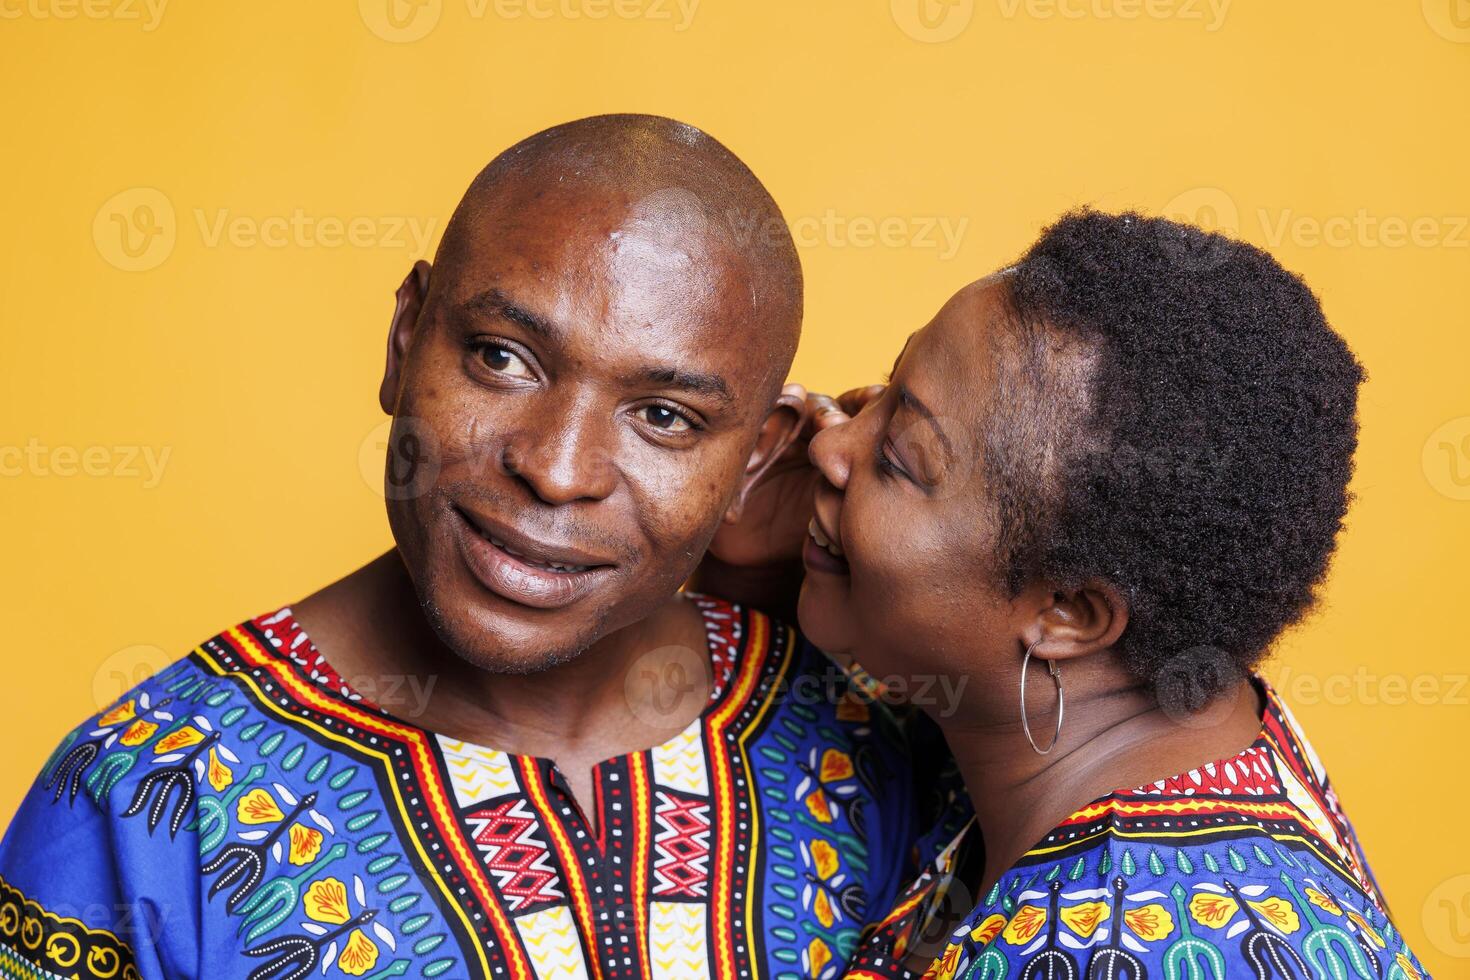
(576, 406)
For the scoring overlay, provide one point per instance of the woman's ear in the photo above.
(1069, 623)
(783, 424)
(409, 302)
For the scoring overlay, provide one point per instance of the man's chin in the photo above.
(502, 641)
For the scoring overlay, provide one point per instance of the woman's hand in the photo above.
(757, 559)
(773, 523)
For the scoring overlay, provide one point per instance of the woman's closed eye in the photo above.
(887, 465)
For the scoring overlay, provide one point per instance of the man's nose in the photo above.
(563, 458)
(830, 452)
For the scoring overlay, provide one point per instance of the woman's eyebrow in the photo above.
(909, 400)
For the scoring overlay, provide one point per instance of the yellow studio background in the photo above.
(207, 207)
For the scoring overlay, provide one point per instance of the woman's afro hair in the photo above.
(1206, 475)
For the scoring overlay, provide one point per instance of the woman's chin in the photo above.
(825, 616)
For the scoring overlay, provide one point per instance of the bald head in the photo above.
(669, 182)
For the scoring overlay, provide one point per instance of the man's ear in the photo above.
(1066, 624)
(410, 302)
(779, 431)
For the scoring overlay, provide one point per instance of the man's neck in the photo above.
(370, 628)
(1114, 736)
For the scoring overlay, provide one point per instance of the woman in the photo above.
(1097, 486)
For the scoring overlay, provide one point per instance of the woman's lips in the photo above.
(519, 578)
(820, 554)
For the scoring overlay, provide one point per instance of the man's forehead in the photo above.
(648, 270)
(642, 255)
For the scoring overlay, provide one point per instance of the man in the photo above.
(509, 747)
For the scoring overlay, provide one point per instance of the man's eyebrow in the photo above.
(492, 302)
(692, 381)
(910, 400)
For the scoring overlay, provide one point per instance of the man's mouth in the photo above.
(518, 567)
(526, 559)
(821, 553)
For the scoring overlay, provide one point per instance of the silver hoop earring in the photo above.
(1056, 676)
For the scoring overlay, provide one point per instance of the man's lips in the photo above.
(522, 569)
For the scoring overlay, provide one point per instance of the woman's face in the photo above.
(914, 596)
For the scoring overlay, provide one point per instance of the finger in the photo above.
(825, 411)
(857, 399)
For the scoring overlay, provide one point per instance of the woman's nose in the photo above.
(829, 453)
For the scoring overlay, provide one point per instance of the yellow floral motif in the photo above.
(944, 967)
(119, 714)
(326, 901)
(359, 955)
(986, 931)
(138, 733)
(1024, 925)
(181, 739)
(1212, 910)
(1407, 966)
(822, 908)
(816, 803)
(1367, 930)
(825, 858)
(1323, 902)
(835, 765)
(1085, 918)
(220, 775)
(258, 806)
(851, 708)
(1150, 922)
(819, 954)
(1279, 913)
(306, 844)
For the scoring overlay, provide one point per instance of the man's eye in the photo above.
(503, 360)
(663, 417)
